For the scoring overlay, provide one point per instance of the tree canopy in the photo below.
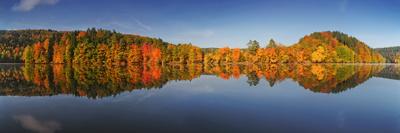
(104, 47)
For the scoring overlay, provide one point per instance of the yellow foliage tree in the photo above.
(318, 55)
(397, 59)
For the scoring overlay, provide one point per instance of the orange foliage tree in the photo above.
(235, 55)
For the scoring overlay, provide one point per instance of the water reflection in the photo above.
(38, 126)
(99, 81)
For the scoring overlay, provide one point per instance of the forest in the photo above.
(104, 47)
(392, 54)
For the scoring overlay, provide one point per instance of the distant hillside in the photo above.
(339, 47)
(390, 53)
(12, 42)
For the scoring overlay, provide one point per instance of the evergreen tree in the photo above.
(272, 44)
(252, 46)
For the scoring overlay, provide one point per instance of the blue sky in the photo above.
(213, 23)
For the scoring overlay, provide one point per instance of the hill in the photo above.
(337, 47)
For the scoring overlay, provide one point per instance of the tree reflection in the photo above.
(100, 81)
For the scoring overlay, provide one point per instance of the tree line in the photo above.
(104, 47)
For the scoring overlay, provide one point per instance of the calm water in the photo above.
(270, 98)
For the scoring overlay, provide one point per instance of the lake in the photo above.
(196, 98)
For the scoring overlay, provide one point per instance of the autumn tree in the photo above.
(283, 54)
(318, 55)
(28, 55)
(134, 54)
(155, 55)
(119, 54)
(101, 54)
(235, 55)
(146, 53)
(48, 50)
(195, 55)
(59, 52)
(272, 55)
(199, 55)
(208, 59)
(39, 53)
(397, 59)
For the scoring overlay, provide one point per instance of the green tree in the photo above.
(272, 44)
(345, 54)
(70, 47)
(253, 46)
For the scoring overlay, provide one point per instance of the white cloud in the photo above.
(128, 24)
(27, 5)
(142, 25)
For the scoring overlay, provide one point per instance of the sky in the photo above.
(213, 23)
